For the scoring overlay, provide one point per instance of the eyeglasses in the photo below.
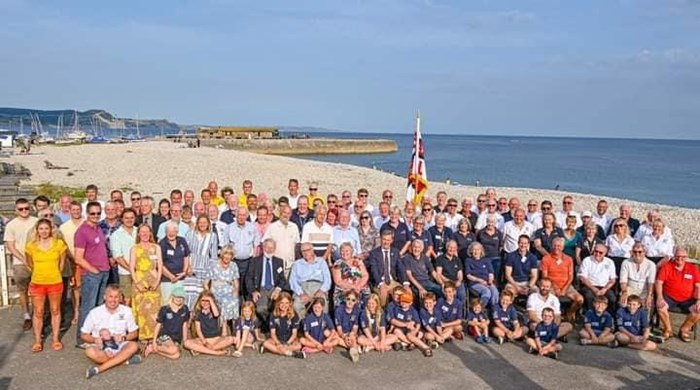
(50, 215)
(427, 209)
(22, 208)
(491, 205)
(350, 300)
(637, 251)
(481, 200)
(451, 205)
(135, 199)
(601, 252)
(365, 217)
(388, 197)
(346, 196)
(532, 204)
(619, 225)
(363, 195)
(313, 189)
(546, 208)
(502, 202)
(331, 202)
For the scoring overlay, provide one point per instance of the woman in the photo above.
(203, 248)
(369, 235)
(464, 235)
(450, 268)
(543, 236)
(349, 274)
(222, 279)
(420, 233)
(146, 267)
(46, 257)
(186, 216)
(619, 243)
(480, 276)
(572, 238)
(428, 213)
(659, 243)
(409, 213)
(491, 240)
(332, 217)
(164, 208)
(588, 242)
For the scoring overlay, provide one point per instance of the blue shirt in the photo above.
(546, 333)
(450, 311)
(174, 257)
(440, 238)
(316, 325)
(208, 324)
(430, 320)
(508, 317)
(597, 322)
(171, 322)
(304, 271)
(476, 316)
(634, 323)
(243, 238)
(370, 321)
(247, 326)
(346, 321)
(521, 265)
(401, 234)
(397, 313)
(182, 229)
(283, 327)
(479, 268)
(348, 235)
(421, 269)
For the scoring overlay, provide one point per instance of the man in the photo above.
(205, 196)
(387, 197)
(188, 198)
(586, 218)
(647, 227)
(490, 211)
(441, 199)
(262, 222)
(91, 257)
(313, 194)
(199, 209)
(135, 199)
(252, 207)
(383, 214)
(293, 196)
(567, 209)
(245, 240)
(491, 193)
(109, 225)
(452, 218)
(420, 273)
(402, 234)
(120, 244)
(532, 215)
(541, 299)
(247, 190)
(228, 215)
(637, 276)
(346, 199)
(91, 195)
(383, 264)
(602, 218)
(332, 202)
(363, 195)
(678, 286)
(119, 207)
(512, 230)
(175, 197)
(468, 212)
(286, 236)
(559, 269)
(119, 320)
(63, 212)
(513, 204)
(310, 278)
(213, 188)
(626, 215)
(343, 232)
(440, 234)
(148, 216)
(42, 202)
(68, 230)
(319, 234)
(521, 269)
(176, 260)
(217, 227)
(175, 219)
(598, 277)
(266, 279)
(116, 195)
(481, 204)
(16, 233)
(302, 214)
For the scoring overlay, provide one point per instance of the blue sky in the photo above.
(622, 68)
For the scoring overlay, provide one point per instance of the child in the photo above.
(451, 310)
(478, 323)
(347, 322)
(406, 325)
(171, 327)
(247, 330)
(394, 302)
(373, 326)
(545, 342)
(505, 319)
(431, 321)
(598, 324)
(211, 336)
(319, 334)
(284, 324)
(109, 344)
(633, 326)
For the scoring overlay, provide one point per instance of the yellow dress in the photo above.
(146, 304)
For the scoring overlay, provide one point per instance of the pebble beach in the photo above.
(156, 167)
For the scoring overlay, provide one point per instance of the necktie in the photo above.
(387, 278)
(268, 274)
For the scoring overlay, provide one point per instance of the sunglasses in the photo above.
(346, 196)
(48, 215)
(451, 205)
(363, 195)
(532, 204)
(427, 209)
(313, 189)
(95, 213)
(619, 225)
(135, 199)
(567, 202)
(22, 208)
(546, 208)
(637, 251)
(364, 217)
(388, 197)
(350, 300)
(331, 202)
(491, 205)
(601, 252)
(481, 200)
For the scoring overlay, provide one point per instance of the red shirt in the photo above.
(679, 285)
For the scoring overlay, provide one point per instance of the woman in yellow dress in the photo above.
(146, 266)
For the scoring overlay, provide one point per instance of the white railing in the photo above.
(4, 277)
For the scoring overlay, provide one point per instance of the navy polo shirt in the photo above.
(405, 315)
(597, 322)
(476, 316)
(450, 311)
(401, 234)
(430, 320)
(547, 239)
(522, 265)
(421, 269)
(250, 325)
(284, 326)
(450, 268)
(425, 237)
(634, 323)
(440, 238)
(316, 325)
(209, 325)
(370, 321)
(546, 333)
(508, 317)
(346, 321)
(491, 243)
(174, 257)
(479, 268)
(171, 322)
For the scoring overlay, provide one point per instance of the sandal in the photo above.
(427, 352)
(37, 347)
(666, 335)
(57, 346)
(237, 354)
(685, 337)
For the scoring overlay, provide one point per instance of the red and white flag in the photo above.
(417, 176)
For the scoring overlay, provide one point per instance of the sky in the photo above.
(595, 68)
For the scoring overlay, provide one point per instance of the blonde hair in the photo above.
(378, 315)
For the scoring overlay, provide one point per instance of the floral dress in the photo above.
(349, 271)
(222, 288)
(146, 304)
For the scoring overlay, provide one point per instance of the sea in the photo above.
(656, 171)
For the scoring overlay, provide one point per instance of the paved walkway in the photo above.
(458, 366)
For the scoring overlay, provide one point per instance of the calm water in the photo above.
(659, 171)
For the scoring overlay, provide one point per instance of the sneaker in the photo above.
(500, 340)
(614, 344)
(361, 350)
(531, 351)
(354, 355)
(90, 372)
(486, 339)
(564, 339)
(136, 359)
(396, 346)
(585, 341)
(82, 345)
(449, 340)
(480, 340)
(261, 349)
(299, 354)
(553, 355)
(657, 339)
(434, 345)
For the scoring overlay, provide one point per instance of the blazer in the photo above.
(253, 280)
(156, 221)
(376, 265)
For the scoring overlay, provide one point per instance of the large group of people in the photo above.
(219, 273)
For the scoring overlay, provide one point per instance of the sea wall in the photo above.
(305, 146)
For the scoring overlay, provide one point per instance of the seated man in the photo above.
(537, 301)
(420, 273)
(678, 286)
(383, 263)
(521, 269)
(119, 321)
(559, 268)
(265, 279)
(310, 278)
(597, 275)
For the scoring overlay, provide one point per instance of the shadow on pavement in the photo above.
(6, 349)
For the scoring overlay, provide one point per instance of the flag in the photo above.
(417, 184)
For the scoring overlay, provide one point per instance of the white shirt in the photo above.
(379, 221)
(536, 302)
(561, 218)
(293, 200)
(120, 322)
(511, 232)
(618, 248)
(638, 277)
(598, 273)
(286, 238)
(451, 221)
(603, 221)
(535, 219)
(645, 229)
(661, 247)
(319, 237)
(481, 221)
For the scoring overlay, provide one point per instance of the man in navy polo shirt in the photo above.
(521, 269)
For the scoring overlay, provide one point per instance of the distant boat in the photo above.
(75, 134)
(97, 139)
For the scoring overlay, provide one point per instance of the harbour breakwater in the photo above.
(305, 146)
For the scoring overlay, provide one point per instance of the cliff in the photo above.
(305, 146)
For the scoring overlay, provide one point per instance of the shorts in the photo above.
(43, 290)
(125, 285)
(684, 306)
(22, 276)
